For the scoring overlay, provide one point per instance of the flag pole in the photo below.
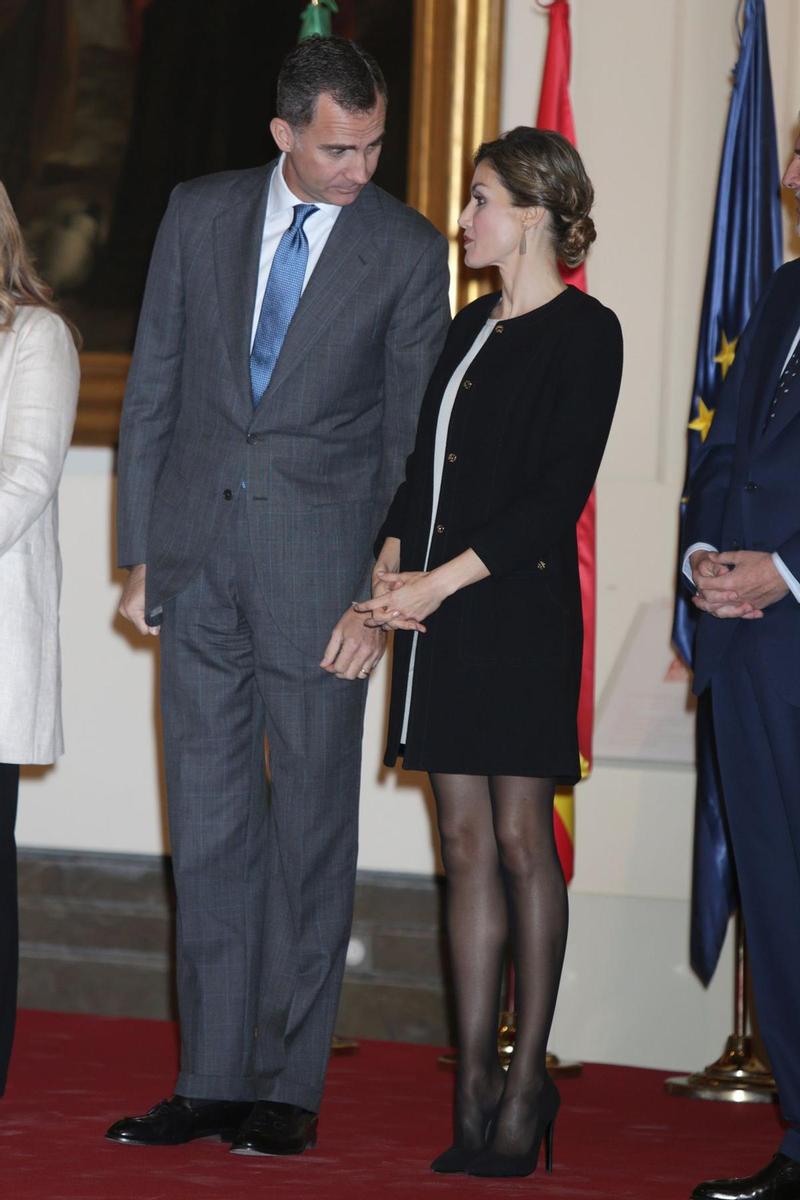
(738, 1075)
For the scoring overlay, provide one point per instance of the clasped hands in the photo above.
(736, 583)
(402, 600)
(356, 644)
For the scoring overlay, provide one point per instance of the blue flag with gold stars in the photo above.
(745, 250)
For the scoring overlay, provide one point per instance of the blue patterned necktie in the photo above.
(281, 297)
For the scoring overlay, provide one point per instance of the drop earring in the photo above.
(523, 241)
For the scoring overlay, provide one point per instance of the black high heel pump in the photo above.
(456, 1159)
(490, 1163)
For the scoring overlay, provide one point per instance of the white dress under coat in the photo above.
(39, 377)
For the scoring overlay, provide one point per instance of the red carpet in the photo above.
(385, 1115)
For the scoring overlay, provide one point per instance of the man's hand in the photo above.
(736, 583)
(353, 650)
(706, 568)
(387, 562)
(131, 605)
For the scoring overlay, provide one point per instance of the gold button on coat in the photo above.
(498, 328)
(440, 528)
(541, 564)
(452, 457)
(467, 384)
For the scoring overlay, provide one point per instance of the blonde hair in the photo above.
(20, 285)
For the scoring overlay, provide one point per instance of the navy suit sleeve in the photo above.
(710, 483)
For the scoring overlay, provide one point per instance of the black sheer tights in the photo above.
(504, 881)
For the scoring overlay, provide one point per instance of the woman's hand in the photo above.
(407, 598)
(403, 599)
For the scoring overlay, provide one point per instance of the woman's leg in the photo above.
(9, 931)
(538, 917)
(477, 934)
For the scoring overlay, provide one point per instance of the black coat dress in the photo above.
(497, 675)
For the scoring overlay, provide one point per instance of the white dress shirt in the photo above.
(789, 579)
(280, 212)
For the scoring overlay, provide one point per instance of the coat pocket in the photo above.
(516, 618)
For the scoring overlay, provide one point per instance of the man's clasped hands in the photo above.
(736, 583)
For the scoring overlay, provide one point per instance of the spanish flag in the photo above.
(555, 112)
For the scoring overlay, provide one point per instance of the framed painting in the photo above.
(110, 103)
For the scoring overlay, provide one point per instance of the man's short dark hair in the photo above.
(333, 65)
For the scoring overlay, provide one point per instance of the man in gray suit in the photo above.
(292, 317)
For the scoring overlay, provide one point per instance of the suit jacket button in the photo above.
(498, 328)
(541, 564)
(440, 528)
(751, 487)
(467, 384)
(451, 458)
(228, 494)
(252, 438)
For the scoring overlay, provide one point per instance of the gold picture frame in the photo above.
(457, 63)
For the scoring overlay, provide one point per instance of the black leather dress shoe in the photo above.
(171, 1122)
(779, 1180)
(276, 1128)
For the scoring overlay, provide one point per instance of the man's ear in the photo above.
(282, 134)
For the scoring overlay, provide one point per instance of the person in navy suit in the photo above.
(743, 558)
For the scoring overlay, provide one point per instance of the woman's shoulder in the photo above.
(39, 338)
(34, 320)
(36, 325)
(591, 333)
(590, 314)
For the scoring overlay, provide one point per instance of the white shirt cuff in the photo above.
(686, 568)
(787, 576)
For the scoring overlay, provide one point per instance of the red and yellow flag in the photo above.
(555, 112)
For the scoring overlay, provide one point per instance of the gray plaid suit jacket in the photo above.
(325, 449)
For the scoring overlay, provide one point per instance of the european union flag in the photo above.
(745, 250)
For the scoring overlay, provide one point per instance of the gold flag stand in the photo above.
(738, 1075)
(505, 1050)
(341, 1045)
(506, 1035)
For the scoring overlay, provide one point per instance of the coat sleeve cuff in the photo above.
(686, 568)
(789, 579)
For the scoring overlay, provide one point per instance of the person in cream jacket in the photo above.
(39, 378)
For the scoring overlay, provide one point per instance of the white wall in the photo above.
(650, 90)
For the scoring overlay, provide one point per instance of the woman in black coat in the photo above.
(478, 571)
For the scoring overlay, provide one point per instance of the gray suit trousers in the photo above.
(264, 875)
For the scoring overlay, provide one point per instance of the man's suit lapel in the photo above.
(348, 255)
(780, 328)
(238, 233)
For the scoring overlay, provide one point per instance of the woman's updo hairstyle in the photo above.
(541, 169)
